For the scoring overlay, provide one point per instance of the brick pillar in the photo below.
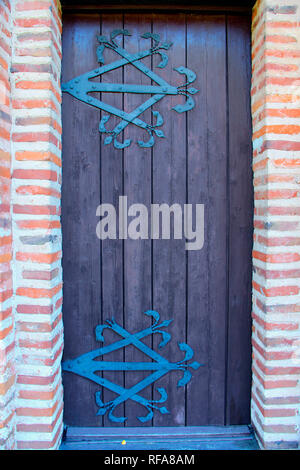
(31, 329)
(7, 336)
(276, 252)
(31, 332)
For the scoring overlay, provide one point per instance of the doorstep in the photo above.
(160, 438)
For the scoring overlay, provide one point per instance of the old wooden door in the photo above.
(204, 158)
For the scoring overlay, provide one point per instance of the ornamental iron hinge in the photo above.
(89, 364)
(81, 87)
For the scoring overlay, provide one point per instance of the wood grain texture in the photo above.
(112, 250)
(205, 159)
(240, 217)
(207, 174)
(137, 187)
(169, 186)
(80, 196)
(167, 5)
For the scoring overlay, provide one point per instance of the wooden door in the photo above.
(205, 158)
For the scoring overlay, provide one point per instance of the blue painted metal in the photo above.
(81, 87)
(87, 366)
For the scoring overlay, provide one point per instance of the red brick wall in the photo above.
(7, 336)
(31, 331)
(36, 139)
(276, 253)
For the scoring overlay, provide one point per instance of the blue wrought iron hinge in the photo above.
(87, 366)
(81, 88)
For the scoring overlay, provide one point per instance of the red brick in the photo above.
(35, 137)
(33, 5)
(34, 210)
(36, 224)
(277, 194)
(279, 326)
(277, 257)
(35, 309)
(40, 275)
(38, 395)
(35, 174)
(38, 190)
(31, 22)
(38, 156)
(36, 445)
(275, 412)
(38, 257)
(34, 344)
(37, 293)
(30, 104)
(276, 291)
(278, 241)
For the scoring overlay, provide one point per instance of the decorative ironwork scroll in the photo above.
(87, 366)
(81, 87)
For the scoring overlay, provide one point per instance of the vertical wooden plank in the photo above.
(198, 327)
(137, 187)
(207, 184)
(240, 216)
(80, 196)
(111, 189)
(169, 186)
(217, 217)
